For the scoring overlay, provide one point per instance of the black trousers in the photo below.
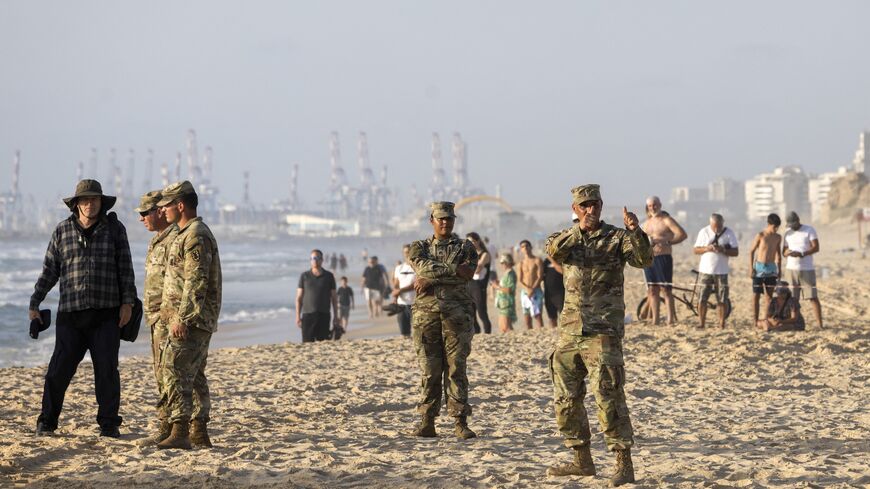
(102, 339)
(404, 319)
(478, 296)
(315, 326)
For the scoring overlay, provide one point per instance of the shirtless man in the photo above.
(663, 232)
(765, 264)
(530, 273)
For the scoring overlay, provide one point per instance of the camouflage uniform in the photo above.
(191, 296)
(442, 319)
(591, 326)
(155, 271)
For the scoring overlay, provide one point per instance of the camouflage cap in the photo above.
(149, 201)
(174, 191)
(585, 193)
(442, 209)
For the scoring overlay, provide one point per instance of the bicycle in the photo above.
(643, 311)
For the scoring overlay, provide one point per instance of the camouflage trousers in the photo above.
(443, 342)
(600, 357)
(159, 336)
(185, 386)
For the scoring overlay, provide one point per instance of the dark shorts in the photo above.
(661, 271)
(763, 285)
(344, 312)
(315, 326)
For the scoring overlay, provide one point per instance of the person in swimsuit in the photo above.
(506, 291)
(764, 263)
(531, 273)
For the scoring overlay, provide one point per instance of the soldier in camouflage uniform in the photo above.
(155, 267)
(593, 255)
(190, 309)
(442, 319)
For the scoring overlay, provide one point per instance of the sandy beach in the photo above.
(711, 408)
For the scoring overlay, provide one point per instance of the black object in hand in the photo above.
(36, 327)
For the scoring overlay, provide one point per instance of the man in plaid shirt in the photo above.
(90, 256)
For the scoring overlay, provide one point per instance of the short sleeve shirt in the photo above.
(404, 273)
(345, 294)
(374, 277)
(715, 263)
(317, 291)
(800, 240)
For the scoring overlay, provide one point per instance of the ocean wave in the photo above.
(244, 316)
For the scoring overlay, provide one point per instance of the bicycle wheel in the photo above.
(713, 305)
(643, 311)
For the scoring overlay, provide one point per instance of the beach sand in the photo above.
(710, 408)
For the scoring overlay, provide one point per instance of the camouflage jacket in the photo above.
(436, 261)
(192, 287)
(155, 273)
(593, 265)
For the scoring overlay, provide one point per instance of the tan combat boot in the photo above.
(581, 465)
(462, 429)
(179, 438)
(163, 431)
(624, 468)
(199, 434)
(426, 428)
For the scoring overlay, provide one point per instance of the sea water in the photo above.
(259, 285)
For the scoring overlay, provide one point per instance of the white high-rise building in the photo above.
(862, 155)
(819, 187)
(782, 191)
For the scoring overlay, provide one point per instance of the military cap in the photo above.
(90, 188)
(442, 209)
(174, 191)
(585, 193)
(149, 201)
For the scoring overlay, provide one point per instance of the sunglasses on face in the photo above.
(316, 258)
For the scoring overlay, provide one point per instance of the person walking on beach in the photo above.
(554, 290)
(716, 243)
(478, 283)
(403, 292)
(591, 331)
(664, 232)
(342, 263)
(765, 264)
(315, 295)
(531, 273)
(345, 304)
(152, 297)
(374, 282)
(801, 243)
(333, 262)
(505, 294)
(441, 320)
(90, 256)
(191, 305)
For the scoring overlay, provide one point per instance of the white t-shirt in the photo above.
(404, 273)
(800, 240)
(715, 263)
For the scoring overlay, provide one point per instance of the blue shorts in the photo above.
(661, 271)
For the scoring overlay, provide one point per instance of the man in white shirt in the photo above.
(716, 243)
(403, 292)
(800, 243)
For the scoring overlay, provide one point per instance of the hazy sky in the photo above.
(638, 96)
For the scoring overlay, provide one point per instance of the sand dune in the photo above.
(711, 408)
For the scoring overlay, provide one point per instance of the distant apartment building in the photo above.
(781, 191)
(862, 155)
(688, 194)
(729, 196)
(819, 187)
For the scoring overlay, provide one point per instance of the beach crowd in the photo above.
(439, 293)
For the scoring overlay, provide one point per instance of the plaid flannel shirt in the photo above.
(94, 273)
